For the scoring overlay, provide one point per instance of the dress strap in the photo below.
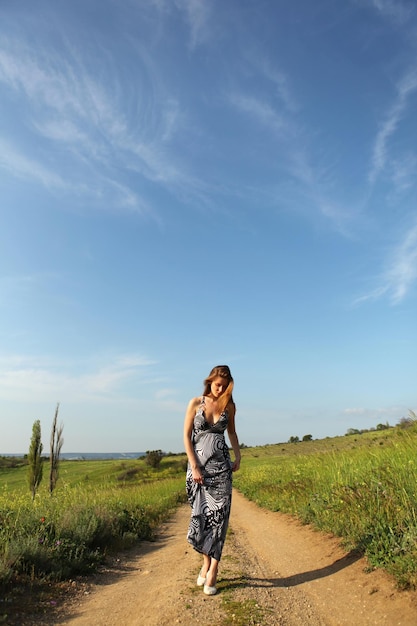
(203, 401)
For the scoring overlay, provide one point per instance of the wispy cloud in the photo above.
(259, 109)
(292, 154)
(109, 377)
(21, 166)
(166, 398)
(401, 273)
(23, 377)
(390, 414)
(395, 10)
(48, 81)
(280, 80)
(26, 281)
(404, 172)
(273, 75)
(197, 13)
(405, 88)
(68, 107)
(31, 170)
(355, 411)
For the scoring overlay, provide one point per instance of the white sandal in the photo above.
(210, 591)
(201, 580)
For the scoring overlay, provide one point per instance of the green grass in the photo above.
(97, 507)
(241, 613)
(71, 473)
(362, 488)
(359, 487)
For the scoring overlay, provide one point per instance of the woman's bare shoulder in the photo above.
(194, 402)
(231, 408)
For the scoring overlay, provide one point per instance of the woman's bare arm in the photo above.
(189, 449)
(231, 431)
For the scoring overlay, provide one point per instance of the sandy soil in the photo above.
(280, 572)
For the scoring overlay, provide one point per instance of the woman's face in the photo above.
(219, 386)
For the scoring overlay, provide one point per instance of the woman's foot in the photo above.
(210, 584)
(209, 591)
(202, 576)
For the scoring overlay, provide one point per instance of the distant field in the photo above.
(73, 473)
(328, 444)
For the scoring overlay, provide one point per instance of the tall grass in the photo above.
(94, 509)
(367, 495)
(363, 489)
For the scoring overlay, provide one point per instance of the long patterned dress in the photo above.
(211, 501)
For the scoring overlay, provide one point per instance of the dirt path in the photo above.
(274, 571)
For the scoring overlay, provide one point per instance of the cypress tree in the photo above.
(57, 442)
(35, 459)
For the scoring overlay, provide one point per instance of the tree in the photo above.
(153, 458)
(293, 439)
(35, 459)
(407, 422)
(56, 444)
(353, 431)
(308, 438)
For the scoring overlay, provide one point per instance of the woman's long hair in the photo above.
(224, 372)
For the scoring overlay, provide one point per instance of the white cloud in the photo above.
(166, 393)
(45, 80)
(25, 378)
(401, 273)
(167, 401)
(355, 411)
(274, 76)
(102, 190)
(197, 13)
(86, 120)
(390, 414)
(395, 10)
(404, 172)
(24, 167)
(61, 130)
(406, 87)
(292, 154)
(260, 110)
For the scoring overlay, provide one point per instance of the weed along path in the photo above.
(274, 571)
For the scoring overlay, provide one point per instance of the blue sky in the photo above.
(185, 183)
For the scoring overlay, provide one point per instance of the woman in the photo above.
(209, 471)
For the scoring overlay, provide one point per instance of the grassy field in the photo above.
(97, 507)
(359, 487)
(362, 488)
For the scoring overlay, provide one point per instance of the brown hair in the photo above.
(224, 372)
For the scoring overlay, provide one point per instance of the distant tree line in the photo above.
(404, 422)
(296, 439)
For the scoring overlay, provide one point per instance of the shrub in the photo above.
(153, 458)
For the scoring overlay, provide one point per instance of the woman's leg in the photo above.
(212, 573)
(206, 564)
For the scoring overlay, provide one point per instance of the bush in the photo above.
(153, 458)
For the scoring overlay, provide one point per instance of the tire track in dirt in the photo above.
(285, 574)
(333, 583)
